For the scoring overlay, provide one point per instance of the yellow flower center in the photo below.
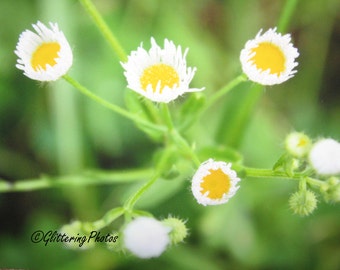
(165, 74)
(217, 183)
(269, 56)
(45, 55)
(302, 142)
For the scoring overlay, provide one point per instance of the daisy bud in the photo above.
(146, 237)
(325, 157)
(76, 229)
(303, 202)
(297, 144)
(178, 232)
(332, 190)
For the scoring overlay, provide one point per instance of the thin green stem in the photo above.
(286, 15)
(108, 218)
(111, 106)
(179, 141)
(268, 173)
(314, 182)
(167, 116)
(161, 164)
(152, 111)
(224, 90)
(183, 146)
(104, 29)
(130, 203)
(84, 179)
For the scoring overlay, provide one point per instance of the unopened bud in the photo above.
(297, 144)
(303, 202)
(179, 230)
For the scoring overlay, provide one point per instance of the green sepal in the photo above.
(286, 163)
(280, 163)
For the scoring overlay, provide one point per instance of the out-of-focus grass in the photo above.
(49, 128)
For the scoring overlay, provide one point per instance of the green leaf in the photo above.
(239, 109)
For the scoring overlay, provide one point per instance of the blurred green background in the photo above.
(51, 129)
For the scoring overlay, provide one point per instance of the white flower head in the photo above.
(214, 183)
(298, 144)
(325, 157)
(146, 237)
(160, 75)
(45, 55)
(269, 58)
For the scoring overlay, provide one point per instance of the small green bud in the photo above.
(79, 234)
(113, 242)
(172, 173)
(178, 229)
(303, 202)
(297, 144)
(333, 181)
(332, 193)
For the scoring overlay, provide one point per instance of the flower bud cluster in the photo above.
(320, 160)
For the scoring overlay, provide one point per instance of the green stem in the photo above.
(111, 106)
(84, 179)
(161, 164)
(104, 29)
(108, 218)
(286, 15)
(268, 173)
(167, 116)
(130, 203)
(179, 141)
(183, 146)
(314, 182)
(152, 111)
(224, 90)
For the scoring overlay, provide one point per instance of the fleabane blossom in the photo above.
(214, 183)
(298, 144)
(160, 75)
(325, 157)
(269, 58)
(146, 237)
(45, 55)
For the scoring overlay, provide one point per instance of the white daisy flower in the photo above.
(269, 58)
(44, 55)
(298, 144)
(214, 183)
(325, 157)
(146, 237)
(161, 75)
